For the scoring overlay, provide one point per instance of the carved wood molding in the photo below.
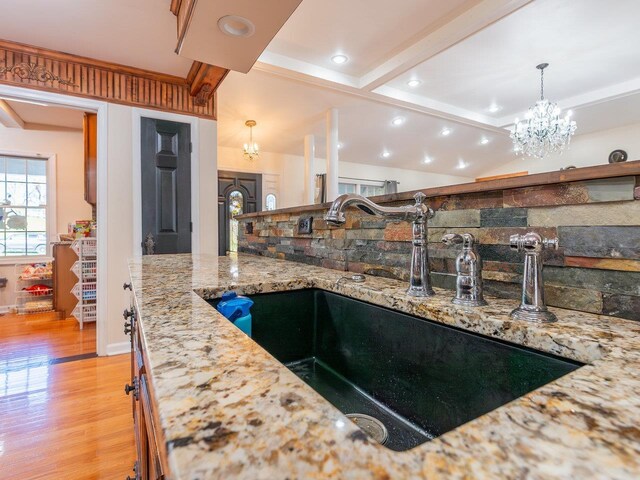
(43, 69)
(203, 80)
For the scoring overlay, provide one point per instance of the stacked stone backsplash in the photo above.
(596, 269)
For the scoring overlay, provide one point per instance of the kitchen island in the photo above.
(222, 407)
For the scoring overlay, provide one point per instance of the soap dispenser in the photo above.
(468, 269)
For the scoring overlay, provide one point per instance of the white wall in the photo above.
(290, 169)
(584, 151)
(121, 145)
(68, 146)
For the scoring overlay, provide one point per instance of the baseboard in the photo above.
(7, 308)
(118, 348)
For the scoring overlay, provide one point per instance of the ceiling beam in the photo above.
(451, 30)
(462, 117)
(8, 116)
(204, 80)
(175, 6)
(183, 10)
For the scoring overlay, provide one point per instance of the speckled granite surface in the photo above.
(229, 410)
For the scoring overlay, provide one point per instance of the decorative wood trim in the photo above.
(175, 6)
(184, 15)
(503, 176)
(203, 80)
(43, 69)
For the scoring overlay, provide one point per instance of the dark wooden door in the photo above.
(166, 187)
(249, 186)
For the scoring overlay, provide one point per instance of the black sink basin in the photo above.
(419, 378)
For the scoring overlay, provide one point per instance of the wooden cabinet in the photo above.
(63, 279)
(90, 128)
(150, 464)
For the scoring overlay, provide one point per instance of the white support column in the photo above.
(332, 154)
(309, 172)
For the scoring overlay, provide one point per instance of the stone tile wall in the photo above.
(596, 269)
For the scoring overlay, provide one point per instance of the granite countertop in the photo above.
(228, 409)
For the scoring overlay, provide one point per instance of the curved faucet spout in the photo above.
(419, 283)
(335, 215)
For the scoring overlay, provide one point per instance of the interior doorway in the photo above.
(238, 193)
(48, 197)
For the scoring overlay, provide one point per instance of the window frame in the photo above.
(359, 183)
(266, 201)
(51, 209)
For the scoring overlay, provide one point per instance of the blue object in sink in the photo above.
(236, 308)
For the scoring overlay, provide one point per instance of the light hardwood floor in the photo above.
(61, 416)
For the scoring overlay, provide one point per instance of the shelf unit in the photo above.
(85, 290)
(34, 287)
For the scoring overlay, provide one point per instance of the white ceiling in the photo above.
(288, 110)
(47, 115)
(139, 33)
(468, 55)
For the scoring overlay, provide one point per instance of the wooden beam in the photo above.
(184, 13)
(42, 69)
(500, 177)
(175, 6)
(204, 80)
(8, 116)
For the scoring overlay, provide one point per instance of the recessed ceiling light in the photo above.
(236, 26)
(397, 121)
(461, 164)
(484, 141)
(340, 145)
(386, 154)
(414, 82)
(340, 59)
(493, 108)
(445, 132)
(426, 160)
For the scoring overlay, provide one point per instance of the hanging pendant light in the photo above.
(251, 148)
(543, 131)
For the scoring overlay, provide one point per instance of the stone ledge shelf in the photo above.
(219, 395)
(574, 175)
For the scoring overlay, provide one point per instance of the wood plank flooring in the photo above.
(61, 415)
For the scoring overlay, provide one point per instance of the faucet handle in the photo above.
(419, 198)
(551, 243)
(532, 242)
(466, 239)
(421, 207)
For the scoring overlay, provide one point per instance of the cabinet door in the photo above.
(90, 128)
(154, 463)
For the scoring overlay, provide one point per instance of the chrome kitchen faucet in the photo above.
(419, 282)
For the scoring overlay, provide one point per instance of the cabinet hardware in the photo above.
(126, 286)
(127, 328)
(132, 388)
(128, 312)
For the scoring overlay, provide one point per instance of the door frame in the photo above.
(101, 108)
(137, 114)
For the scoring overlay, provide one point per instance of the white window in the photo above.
(24, 215)
(366, 188)
(270, 202)
(344, 187)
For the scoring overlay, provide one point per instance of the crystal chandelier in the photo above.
(251, 148)
(542, 131)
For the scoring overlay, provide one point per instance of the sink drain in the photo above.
(371, 426)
